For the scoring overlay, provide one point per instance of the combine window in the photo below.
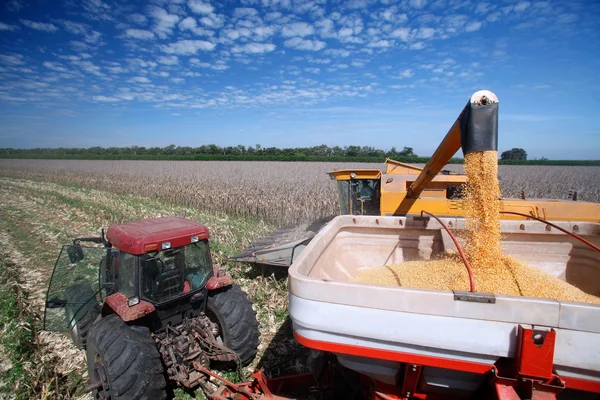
(171, 273)
(359, 197)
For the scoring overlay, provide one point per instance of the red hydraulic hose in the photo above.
(592, 245)
(460, 250)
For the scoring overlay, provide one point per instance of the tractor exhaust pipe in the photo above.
(475, 129)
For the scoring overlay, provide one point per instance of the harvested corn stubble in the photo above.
(493, 271)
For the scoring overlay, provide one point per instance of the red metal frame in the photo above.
(408, 358)
(118, 303)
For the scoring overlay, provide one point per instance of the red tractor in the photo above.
(147, 305)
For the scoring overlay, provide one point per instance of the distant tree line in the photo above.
(210, 152)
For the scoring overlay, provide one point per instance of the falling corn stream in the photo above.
(494, 271)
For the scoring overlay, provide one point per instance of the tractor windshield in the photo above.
(74, 287)
(171, 273)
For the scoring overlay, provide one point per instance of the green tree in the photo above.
(407, 152)
(514, 154)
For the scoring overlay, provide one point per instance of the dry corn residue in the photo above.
(493, 271)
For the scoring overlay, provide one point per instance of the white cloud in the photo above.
(164, 22)
(186, 47)
(89, 67)
(380, 43)
(245, 12)
(139, 34)
(407, 73)
(473, 26)
(140, 79)
(200, 7)
(39, 26)
(138, 19)
(484, 8)
(401, 33)
(76, 28)
(297, 29)
(493, 17)
(188, 23)
(346, 32)
(417, 46)
(117, 70)
(12, 59)
(303, 44)
(168, 60)
(417, 3)
(254, 48)
(106, 99)
(97, 10)
(326, 28)
(356, 4)
(212, 21)
(54, 66)
(567, 18)
(425, 33)
(6, 27)
(522, 6)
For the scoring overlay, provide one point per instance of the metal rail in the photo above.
(459, 248)
(592, 245)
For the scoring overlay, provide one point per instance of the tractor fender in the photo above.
(118, 303)
(220, 279)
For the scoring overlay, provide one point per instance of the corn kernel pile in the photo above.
(493, 271)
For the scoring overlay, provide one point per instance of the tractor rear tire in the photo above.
(82, 309)
(125, 360)
(232, 311)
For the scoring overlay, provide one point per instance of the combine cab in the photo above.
(148, 299)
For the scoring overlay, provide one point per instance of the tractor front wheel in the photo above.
(123, 362)
(82, 309)
(231, 310)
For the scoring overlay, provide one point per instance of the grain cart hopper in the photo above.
(405, 189)
(415, 343)
(148, 305)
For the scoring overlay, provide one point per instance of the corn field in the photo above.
(278, 192)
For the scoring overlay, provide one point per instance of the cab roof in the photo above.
(147, 235)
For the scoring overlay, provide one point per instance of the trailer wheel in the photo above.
(232, 311)
(123, 362)
(82, 310)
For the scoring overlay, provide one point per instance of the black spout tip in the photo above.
(479, 124)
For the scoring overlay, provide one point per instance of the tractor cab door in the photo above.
(77, 286)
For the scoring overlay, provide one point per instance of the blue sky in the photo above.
(285, 73)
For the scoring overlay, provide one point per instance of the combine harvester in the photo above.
(405, 190)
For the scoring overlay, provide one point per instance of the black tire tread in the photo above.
(130, 357)
(237, 321)
(81, 300)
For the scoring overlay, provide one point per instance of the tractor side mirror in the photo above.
(75, 253)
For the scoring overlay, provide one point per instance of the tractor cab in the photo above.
(139, 267)
(158, 260)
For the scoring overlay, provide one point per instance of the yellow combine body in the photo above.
(441, 196)
(405, 189)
